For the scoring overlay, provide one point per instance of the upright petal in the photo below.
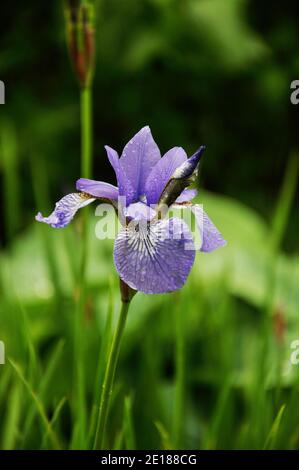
(210, 235)
(155, 258)
(65, 209)
(97, 188)
(124, 185)
(162, 172)
(138, 158)
(113, 158)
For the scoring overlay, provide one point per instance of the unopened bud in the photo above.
(80, 32)
(181, 179)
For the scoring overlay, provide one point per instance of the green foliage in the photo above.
(215, 400)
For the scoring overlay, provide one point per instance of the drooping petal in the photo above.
(162, 172)
(138, 158)
(97, 188)
(186, 196)
(210, 235)
(65, 209)
(139, 211)
(154, 258)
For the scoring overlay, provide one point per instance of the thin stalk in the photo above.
(180, 379)
(86, 131)
(109, 377)
(86, 164)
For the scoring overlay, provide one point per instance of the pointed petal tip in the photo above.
(39, 217)
(189, 166)
(213, 245)
(108, 148)
(220, 243)
(198, 154)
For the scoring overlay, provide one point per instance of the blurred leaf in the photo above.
(39, 406)
(11, 422)
(271, 439)
(223, 24)
(128, 424)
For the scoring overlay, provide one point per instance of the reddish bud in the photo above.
(80, 34)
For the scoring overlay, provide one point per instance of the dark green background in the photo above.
(197, 72)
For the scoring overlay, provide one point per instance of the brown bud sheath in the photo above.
(80, 39)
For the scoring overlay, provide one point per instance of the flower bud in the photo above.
(80, 32)
(181, 179)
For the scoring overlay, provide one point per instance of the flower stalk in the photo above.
(80, 37)
(86, 131)
(107, 388)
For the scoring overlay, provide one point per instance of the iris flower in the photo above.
(152, 253)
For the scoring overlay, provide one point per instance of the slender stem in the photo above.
(109, 377)
(180, 379)
(86, 165)
(86, 131)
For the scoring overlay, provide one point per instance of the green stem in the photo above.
(86, 166)
(86, 131)
(180, 379)
(109, 377)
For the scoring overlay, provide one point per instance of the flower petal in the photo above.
(162, 172)
(124, 185)
(210, 235)
(65, 209)
(186, 196)
(140, 211)
(138, 158)
(97, 188)
(113, 158)
(154, 258)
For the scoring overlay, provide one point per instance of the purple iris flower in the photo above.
(153, 254)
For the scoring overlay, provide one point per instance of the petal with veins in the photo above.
(155, 258)
(139, 156)
(65, 209)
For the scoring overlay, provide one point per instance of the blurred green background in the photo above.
(206, 367)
